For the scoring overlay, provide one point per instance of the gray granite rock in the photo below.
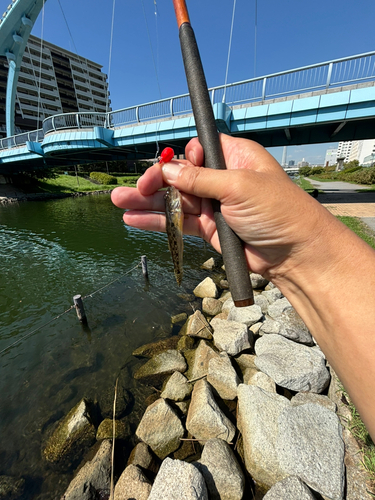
(210, 264)
(270, 326)
(262, 302)
(142, 456)
(257, 421)
(291, 365)
(177, 388)
(290, 488)
(278, 307)
(178, 480)
(260, 379)
(227, 305)
(211, 306)
(223, 377)
(205, 420)
(256, 327)
(198, 360)
(94, 477)
(197, 326)
(310, 445)
(272, 295)
(132, 484)
(206, 288)
(231, 336)
(160, 366)
(160, 428)
(257, 281)
(292, 327)
(221, 471)
(303, 398)
(247, 315)
(72, 436)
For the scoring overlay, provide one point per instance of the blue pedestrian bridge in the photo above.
(330, 101)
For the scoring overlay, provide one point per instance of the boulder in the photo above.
(231, 336)
(310, 445)
(160, 428)
(178, 480)
(197, 326)
(258, 423)
(144, 458)
(291, 365)
(302, 398)
(210, 264)
(124, 402)
(272, 295)
(227, 305)
(256, 327)
(262, 302)
(206, 288)
(205, 420)
(93, 480)
(177, 388)
(290, 488)
(248, 315)
(178, 318)
(158, 368)
(212, 307)
(154, 348)
(73, 435)
(270, 326)
(132, 484)
(223, 377)
(260, 379)
(278, 307)
(257, 281)
(198, 360)
(105, 429)
(11, 488)
(221, 471)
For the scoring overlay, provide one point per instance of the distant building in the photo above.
(344, 149)
(291, 163)
(303, 163)
(68, 83)
(331, 156)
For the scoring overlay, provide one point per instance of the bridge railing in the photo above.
(316, 77)
(21, 139)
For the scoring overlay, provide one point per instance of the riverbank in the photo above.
(15, 195)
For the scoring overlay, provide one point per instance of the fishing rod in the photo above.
(231, 245)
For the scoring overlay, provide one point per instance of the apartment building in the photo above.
(58, 82)
(356, 150)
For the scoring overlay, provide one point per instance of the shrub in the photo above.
(351, 170)
(363, 176)
(305, 171)
(103, 178)
(317, 170)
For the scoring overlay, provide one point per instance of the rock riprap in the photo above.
(291, 365)
(205, 420)
(221, 471)
(158, 368)
(73, 435)
(160, 428)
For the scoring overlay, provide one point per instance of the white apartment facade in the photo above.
(356, 150)
(58, 82)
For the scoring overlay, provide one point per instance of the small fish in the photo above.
(175, 222)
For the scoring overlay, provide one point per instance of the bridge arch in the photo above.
(15, 28)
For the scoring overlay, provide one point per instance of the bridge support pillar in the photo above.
(11, 93)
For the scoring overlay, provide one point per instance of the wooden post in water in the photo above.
(144, 266)
(80, 309)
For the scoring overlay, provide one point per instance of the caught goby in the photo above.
(175, 222)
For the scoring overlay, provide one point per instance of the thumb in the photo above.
(199, 181)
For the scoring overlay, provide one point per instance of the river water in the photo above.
(49, 252)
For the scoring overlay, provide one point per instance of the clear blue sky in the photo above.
(290, 34)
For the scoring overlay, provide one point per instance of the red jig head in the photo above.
(166, 155)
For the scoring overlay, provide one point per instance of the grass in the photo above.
(69, 184)
(304, 184)
(360, 228)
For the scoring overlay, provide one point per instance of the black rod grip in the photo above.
(231, 245)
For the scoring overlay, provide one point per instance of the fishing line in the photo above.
(152, 52)
(229, 49)
(110, 52)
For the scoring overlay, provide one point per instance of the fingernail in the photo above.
(171, 171)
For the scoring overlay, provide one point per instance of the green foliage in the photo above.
(305, 171)
(363, 176)
(103, 178)
(316, 170)
(351, 164)
(350, 170)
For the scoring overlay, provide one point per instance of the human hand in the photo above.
(275, 218)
